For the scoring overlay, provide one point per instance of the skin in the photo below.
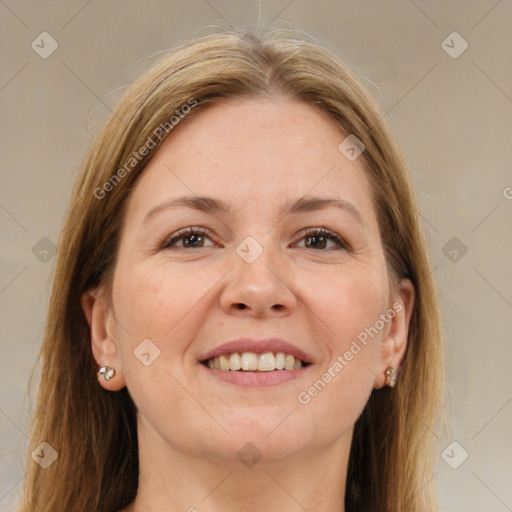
(255, 155)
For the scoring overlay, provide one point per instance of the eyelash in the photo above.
(309, 232)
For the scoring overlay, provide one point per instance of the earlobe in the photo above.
(104, 343)
(394, 345)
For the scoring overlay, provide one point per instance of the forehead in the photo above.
(253, 154)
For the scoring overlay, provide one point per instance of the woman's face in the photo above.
(254, 271)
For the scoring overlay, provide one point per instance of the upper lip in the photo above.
(258, 347)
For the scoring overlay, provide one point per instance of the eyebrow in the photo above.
(214, 206)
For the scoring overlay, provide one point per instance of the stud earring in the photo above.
(390, 374)
(107, 371)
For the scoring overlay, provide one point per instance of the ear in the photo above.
(394, 345)
(104, 343)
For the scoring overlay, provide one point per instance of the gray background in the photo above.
(453, 116)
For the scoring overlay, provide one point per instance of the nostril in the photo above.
(241, 306)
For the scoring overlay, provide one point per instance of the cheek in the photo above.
(348, 306)
(158, 304)
(347, 302)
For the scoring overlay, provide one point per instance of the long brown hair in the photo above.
(93, 430)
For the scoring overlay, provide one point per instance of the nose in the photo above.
(258, 289)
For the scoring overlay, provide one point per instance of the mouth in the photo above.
(249, 355)
(254, 362)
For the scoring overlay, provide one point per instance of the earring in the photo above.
(390, 374)
(107, 371)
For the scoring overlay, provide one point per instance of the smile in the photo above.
(250, 361)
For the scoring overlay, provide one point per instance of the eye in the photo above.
(195, 237)
(318, 238)
(189, 238)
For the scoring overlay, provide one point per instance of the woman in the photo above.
(242, 315)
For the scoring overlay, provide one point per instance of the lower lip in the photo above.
(250, 379)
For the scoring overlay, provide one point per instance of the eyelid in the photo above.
(311, 231)
(181, 233)
(323, 231)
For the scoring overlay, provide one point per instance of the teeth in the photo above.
(289, 362)
(235, 362)
(250, 361)
(266, 362)
(224, 362)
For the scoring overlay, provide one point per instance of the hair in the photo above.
(94, 431)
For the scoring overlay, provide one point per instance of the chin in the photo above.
(275, 437)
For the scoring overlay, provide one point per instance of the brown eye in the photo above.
(319, 239)
(187, 238)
